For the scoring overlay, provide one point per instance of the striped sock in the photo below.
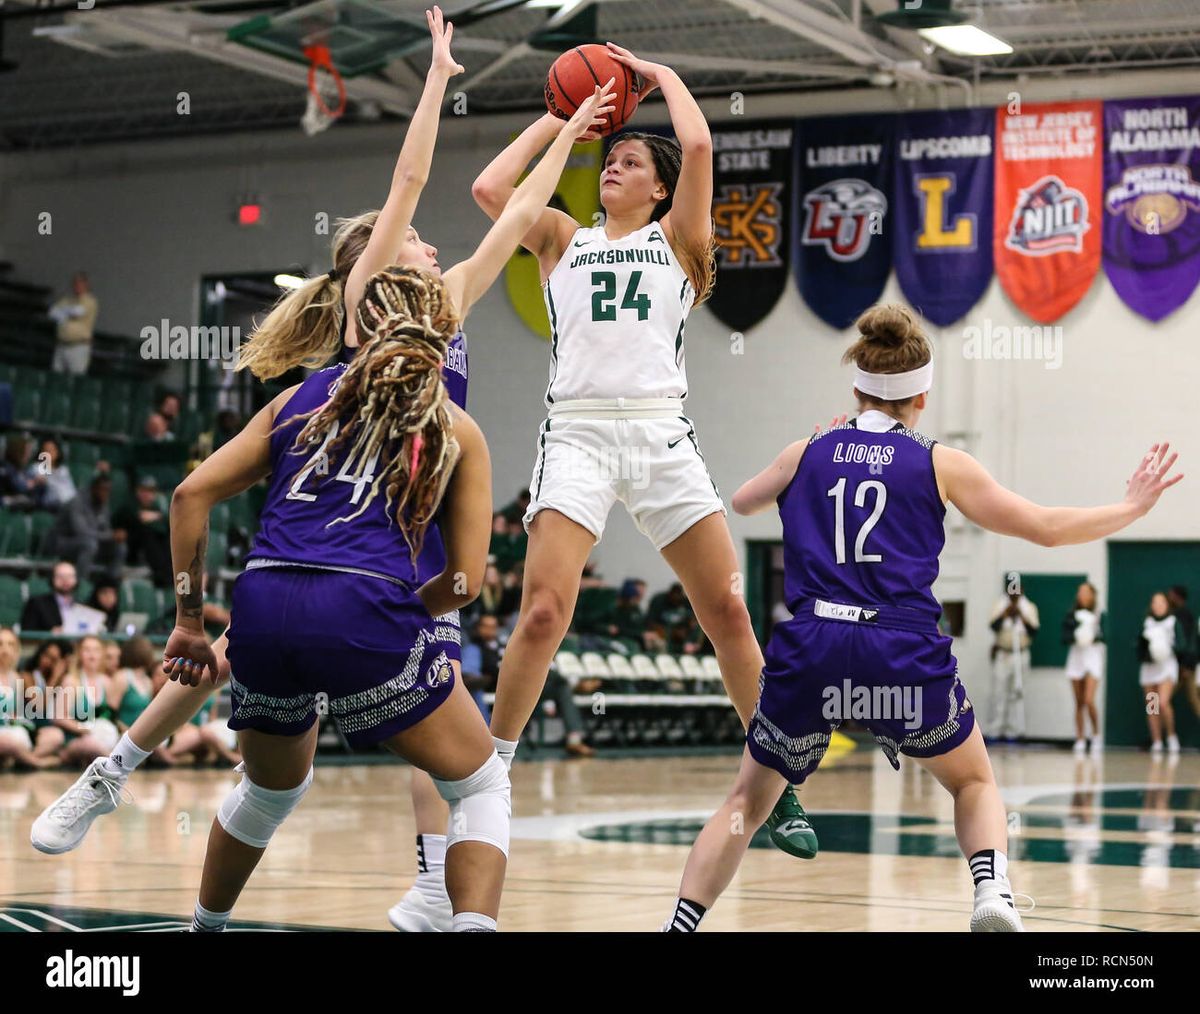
(204, 921)
(431, 852)
(686, 918)
(988, 864)
(472, 922)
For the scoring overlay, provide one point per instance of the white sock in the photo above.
(431, 853)
(125, 757)
(988, 864)
(472, 922)
(507, 749)
(204, 921)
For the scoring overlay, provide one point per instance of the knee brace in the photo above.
(252, 814)
(480, 805)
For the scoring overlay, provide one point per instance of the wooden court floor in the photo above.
(1106, 844)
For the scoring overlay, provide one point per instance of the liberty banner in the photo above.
(1152, 202)
(751, 214)
(844, 172)
(1047, 232)
(942, 201)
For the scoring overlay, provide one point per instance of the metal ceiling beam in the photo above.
(835, 34)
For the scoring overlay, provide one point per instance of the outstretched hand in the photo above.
(836, 421)
(644, 69)
(592, 112)
(442, 32)
(1150, 480)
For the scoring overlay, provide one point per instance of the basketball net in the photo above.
(326, 91)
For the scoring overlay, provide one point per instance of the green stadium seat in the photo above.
(40, 523)
(27, 403)
(35, 584)
(219, 518)
(8, 373)
(15, 532)
(31, 377)
(121, 493)
(218, 550)
(115, 414)
(140, 596)
(85, 411)
(56, 407)
(11, 600)
(84, 451)
(242, 514)
(87, 387)
(81, 472)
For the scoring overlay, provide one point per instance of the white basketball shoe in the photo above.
(64, 824)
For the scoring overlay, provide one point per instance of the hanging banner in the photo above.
(942, 233)
(1152, 202)
(578, 194)
(751, 217)
(844, 177)
(1047, 206)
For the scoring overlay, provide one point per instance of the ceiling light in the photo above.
(966, 40)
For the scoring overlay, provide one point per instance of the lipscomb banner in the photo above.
(842, 253)
(942, 208)
(1152, 202)
(751, 218)
(1046, 240)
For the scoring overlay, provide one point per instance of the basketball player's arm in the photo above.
(760, 493)
(467, 281)
(412, 166)
(550, 233)
(968, 485)
(466, 523)
(230, 470)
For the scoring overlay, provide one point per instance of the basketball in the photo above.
(575, 75)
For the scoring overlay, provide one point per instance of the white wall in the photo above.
(148, 220)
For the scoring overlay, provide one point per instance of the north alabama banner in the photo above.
(942, 228)
(1047, 231)
(751, 214)
(842, 252)
(1152, 202)
(578, 194)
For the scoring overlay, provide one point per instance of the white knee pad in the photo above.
(480, 805)
(252, 814)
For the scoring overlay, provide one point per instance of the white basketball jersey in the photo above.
(617, 310)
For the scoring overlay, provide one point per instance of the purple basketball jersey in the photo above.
(862, 522)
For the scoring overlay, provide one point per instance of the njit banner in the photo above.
(842, 254)
(1152, 202)
(751, 211)
(1047, 230)
(942, 233)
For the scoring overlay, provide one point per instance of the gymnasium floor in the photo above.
(1110, 844)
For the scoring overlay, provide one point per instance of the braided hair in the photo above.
(391, 405)
(698, 262)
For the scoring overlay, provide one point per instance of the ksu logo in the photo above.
(838, 216)
(439, 673)
(1154, 198)
(1050, 217)
(747, 220)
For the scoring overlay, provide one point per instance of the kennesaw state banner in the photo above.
(578, 194)
(842, 253)
(751, 215)
(1151, 164)
(1047, 230)
(942, 205)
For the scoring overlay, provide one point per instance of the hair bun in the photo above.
(888, 324)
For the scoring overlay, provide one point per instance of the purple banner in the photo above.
(1151, 243)
(942, 206)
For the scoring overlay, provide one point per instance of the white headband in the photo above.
(895, 386)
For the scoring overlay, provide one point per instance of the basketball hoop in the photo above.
(326, 91)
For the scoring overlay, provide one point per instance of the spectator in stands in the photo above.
(515, 511)
(157, 429)
(591, 577)
(82, 726)
(169, 407)
(628, 621)
(112, 658)
(481, 660)
(496, 596)
(671, 617)
(508, 543)
(45, 612)
(76, 318)
(50, 476)
(559, 693)
(145, 525)
(16, 725)
(106, 596)
(47, 665)
(83, 530)
(18, 491)
(228, 425)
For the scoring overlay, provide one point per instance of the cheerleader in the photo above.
(1083, 630)
(1159, 672)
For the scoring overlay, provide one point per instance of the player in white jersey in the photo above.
(618, 296)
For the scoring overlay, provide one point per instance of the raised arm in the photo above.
(759, 494)
(465, 523)
(969, 486)
(412, 167)
(552, 229)
(469, 280)
(689, 222)
(235, 467)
